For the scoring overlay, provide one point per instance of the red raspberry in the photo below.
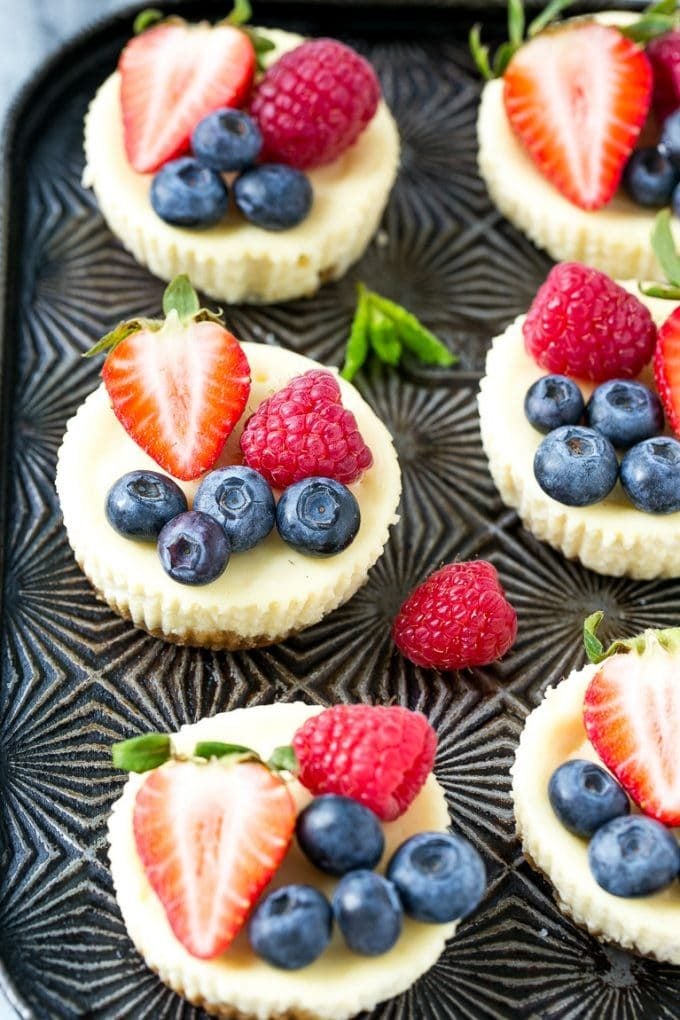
(582, 323)
(458, 617)
(378, 755)
(304, 430)
(664, 56)
(314, 102)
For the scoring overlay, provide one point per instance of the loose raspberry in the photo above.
(458, 617)
(582, 323)
(303, 431)
(664, 56)
(314, 102)
(378, 755)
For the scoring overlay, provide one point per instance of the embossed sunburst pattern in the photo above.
(75, 677)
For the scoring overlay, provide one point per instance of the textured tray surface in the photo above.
(75, 677)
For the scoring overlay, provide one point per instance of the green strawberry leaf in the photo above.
(357, 345)
(145, 19)
(669, 639)
(181, 297)
(284, 759)
(663, 245)
(480, 54)
(383, 337)
(660, 290)
(241, 14)
(140, 754)
(515, 22)
(124, 329)
(415, 337)
(547, 16)
(216, 749)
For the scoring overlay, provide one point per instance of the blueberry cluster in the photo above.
(629, 855)
(234, 510)
(433, 877)
(577, 465)
(192, 191)
(652, 175)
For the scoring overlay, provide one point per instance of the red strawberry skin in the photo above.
(171, 77)
(581, 323)
(667, 368)
(458, 617)
(210, 837)
(577, 97)
(378, 755)
(304, 430)
(664, 56)
(179, 392)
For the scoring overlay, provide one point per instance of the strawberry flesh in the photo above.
(578, 97)
(667, 368)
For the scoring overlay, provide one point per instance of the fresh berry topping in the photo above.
(304, 430)
(439, 877)
(625, 412)
(273, 196)
(171, 77)
(193, 548)
(577, 97)
(583, 324)
(179, 387)
(337, 834)
(551, 401)
(314, 102)
(633, 856)
(631, 714)
(458, 617)
(650, 475)
(241, 501)
(584, 796)
(669, 143)
(664, 56)
(226, 140)
(187, 194)
(140, 503)
(291, 927)
(368, 912)
(576, 466)
(210, 836)
(667, 368)
(650, 178)
(318, 516)
(378, 755)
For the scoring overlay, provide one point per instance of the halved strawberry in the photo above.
(667, 368)
(210, 837)
(631, 714)
(578, 96)
(171, 77)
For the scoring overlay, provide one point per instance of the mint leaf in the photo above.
(357, 345)
(480, 54)
(181, 297)
(383, 337)
(140, 754)
(241, 13)
(216, 749)
(413, 335)
(284, 759)
(547, 16)
(119, 333)
(145, 19)
(664, 248)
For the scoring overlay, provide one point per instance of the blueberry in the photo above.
(585, 796)
(318, 516)
(633, 856)
(339, 834)
(552, 401)
(649, 177)
(291, 927)
(226, 140)
(243, 503)
(187, 194)
(575, 465)
(439, 877)
(141, 502)
(368, 912)
(626, 412)
(193, 548)
(670, 138)
(273, 196)
(650, 475)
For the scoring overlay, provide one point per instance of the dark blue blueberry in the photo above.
(273, 196)
(552, 401)
(670, 138)
(650, 475)
(318, 516)
(650, 178)
(291, 927)
(576, 466)
(633, 856)
(141, 502)
(242, 501)
(187, 194)
(439, 877)
(368, 912)
(585, 796)
(626, 412)
(338, 835)
(227, 140)
(193, 548)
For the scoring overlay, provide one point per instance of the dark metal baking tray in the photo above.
(75, 677)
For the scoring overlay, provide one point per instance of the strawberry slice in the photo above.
(577, 97)
(210, 837)
(171, 77)
(631, 714)
(667, 368)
